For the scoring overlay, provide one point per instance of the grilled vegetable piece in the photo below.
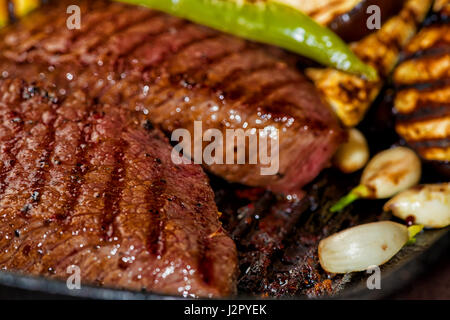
(4, 19)
(23, 7)
(19, 9)
(268, 22)
(323, 11)
(422, 103)
(387, 173)
(354, 154)
(351, 96)
(358, 248)
(428, 205)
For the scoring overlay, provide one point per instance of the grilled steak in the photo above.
(93, 186)
(176, 72)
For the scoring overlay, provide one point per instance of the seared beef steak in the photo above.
(88, 185)
(177, 72)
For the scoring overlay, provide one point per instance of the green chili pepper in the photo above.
(271, 23)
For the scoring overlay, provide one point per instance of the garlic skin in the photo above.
(391, 171)
(353, 155)
(428, 205)
(360, 247)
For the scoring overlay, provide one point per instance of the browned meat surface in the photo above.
(176, 72)
(94, 186)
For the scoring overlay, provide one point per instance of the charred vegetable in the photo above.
(422, 103)
(268, 22)
(3, 13)
(388, 173)
(19, 9)
(23, 7)
(428, 205)
(350, 96)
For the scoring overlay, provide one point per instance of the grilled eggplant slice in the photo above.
(422, 103)
(350, 96)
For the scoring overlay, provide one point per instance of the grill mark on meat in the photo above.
(13, 117)
(149, 37)
(169, 44)
(36, 232)
(237, 75)
(42, 172)
(113, 193)
(38, 39)
(206, 59)
(78, 171)
(91, 22)
(28, 94)
(128, 24)
(262, 93)
(183, 47)
(7, 151)
(34, 180)
(93, 38)
(165, 60)
(40, 178)
(205, 264)
(193, 74)
(201, 73)
(149, 68)
(250, 58)
(154, 196)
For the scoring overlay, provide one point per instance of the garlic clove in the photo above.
(360, 247)
(353, 155)
(391, 171)
(428, 205)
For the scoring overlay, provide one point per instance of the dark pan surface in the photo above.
(409, 264)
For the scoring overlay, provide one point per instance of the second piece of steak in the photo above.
(177, 72)
(89, 186)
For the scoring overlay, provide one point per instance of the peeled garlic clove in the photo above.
(428, 205)
(353, 155)
(391, 171)
(360, 247)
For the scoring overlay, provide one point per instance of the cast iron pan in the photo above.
(409, 264)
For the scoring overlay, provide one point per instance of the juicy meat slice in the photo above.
(177, 72)
(94, 186)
